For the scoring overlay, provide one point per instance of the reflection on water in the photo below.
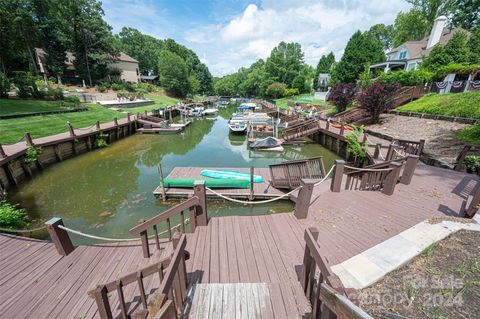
(106, 192)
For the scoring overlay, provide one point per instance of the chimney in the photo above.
(437, 30)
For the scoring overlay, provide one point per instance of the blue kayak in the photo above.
(230, 174)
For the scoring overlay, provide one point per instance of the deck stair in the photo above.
(290, 173)
(352, 115)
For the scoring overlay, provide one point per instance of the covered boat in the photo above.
(269, 143)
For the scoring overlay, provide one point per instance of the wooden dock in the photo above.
(261, 190)
(175, 128)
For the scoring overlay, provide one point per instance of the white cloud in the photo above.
(319, 26)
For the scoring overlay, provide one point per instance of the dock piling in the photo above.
(60, 237)
(162, 187)
(252, 192)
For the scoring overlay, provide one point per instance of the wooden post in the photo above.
(337, 177)
(327, 126)
(2, 152)
(252, 190)
(146, 112)
(97, 125)
(128, 117)
(70, 129)
(101, 298)
(342, 129)
(144, 240)
(115, 121)
(304, 197)
(474, 204)
(201, 209)
(28, 139)
(459, 166)
(409, 169)
(378, 148)
(364, 138)
(162, 187)
(307, 259)
(392, 178)
(60, 237)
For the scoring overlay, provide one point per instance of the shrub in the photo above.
(276, 90)
(100, 141)
(290, 92)
(26, 86)
(72, 101)
(12, 217)
(472, 163)
(406, 78)
(457, 68)
(145, 87)
(4, 85)
(341, 95)
(31, 154)
(354, 147)
(117, 86)
(377, 98)
(101, 88)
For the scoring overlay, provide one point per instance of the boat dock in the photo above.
(174, 128)
(260, 190)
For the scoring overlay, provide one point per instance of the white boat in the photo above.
(209, 111)
(197, 111)
(237, 126)
(240, 122)
(272, 149)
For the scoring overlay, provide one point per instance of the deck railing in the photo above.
(197, 206)
(150, 118)
(378, 177)
(290, 173)
(325, 292)
(171, 292)
(408, 147)
(301, 129)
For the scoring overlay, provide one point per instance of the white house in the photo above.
(125, 64)
(408, 56)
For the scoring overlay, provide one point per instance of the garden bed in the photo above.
(443, 282)
(440, 137)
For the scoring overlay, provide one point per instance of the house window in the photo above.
(402, 55)
(411, 66)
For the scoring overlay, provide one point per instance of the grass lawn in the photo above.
(304, 98)
(452, 104)
(469, 134)
(161, 101)
(12, 130)
(10, 106)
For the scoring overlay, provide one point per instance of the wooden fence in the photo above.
(170, 294)
(301, 129)
(290, 173)
(325, 292)
(197, 206)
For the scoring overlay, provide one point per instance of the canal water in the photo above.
(107, 191)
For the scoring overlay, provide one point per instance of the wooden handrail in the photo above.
(328, 298)
(197, 206)
(168, 269)
(290, 173)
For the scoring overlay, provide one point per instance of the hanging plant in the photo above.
(31, 154)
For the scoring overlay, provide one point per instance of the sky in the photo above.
(230, 34)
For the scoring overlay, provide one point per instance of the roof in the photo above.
(417, 49)
(70, 57)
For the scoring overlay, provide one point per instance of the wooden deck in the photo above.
(261, 190)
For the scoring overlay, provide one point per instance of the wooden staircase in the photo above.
(301, 129)
(290, 173)
(352, 115)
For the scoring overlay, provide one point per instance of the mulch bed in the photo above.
(443, 282)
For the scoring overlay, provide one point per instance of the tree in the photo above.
(376, 99)
(362, 48)
(173, 73)
(204, 77)
(455, 51)
(409, 26)
(93, 42)
(474, 46)
(141, 47)
(276, 90)
(341, 95)
(384, 33)
(430, 10)
(285, 62)
(464, 13)
(324, 65)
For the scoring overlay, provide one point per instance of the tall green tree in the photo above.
(285, 62)
(324, 65)
(464, 13)
(409, 26)
(430, 10)
(142, 47)
(173, 73)
(384, 33)
(93, 42)
(362, 48)
(474, 46)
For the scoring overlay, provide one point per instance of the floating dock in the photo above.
(260, 190)
(174, 128)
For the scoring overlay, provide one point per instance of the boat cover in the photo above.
(268, 142)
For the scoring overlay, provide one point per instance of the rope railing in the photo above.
(77, 232)
(368, 169)
(268, 200)
(379, 150)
